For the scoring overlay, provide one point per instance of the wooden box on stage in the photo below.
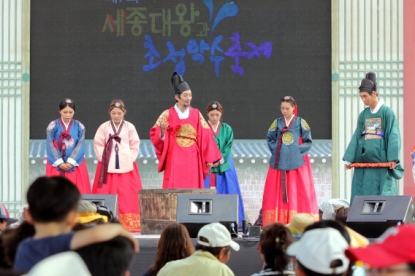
(158, 207)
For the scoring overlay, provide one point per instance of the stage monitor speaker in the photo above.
(196, 210)
(108, 200)
(372, 215)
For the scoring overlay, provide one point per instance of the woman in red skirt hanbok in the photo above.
(65, 145)
(116, 146)
(289, 186)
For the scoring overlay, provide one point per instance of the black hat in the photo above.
(179, 85)
(368, 83)
(4, 214)
(372, 76)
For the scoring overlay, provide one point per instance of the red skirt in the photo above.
(79, 176)
(301, 195)
(126, 186)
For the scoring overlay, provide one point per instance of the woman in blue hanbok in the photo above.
(65, 143)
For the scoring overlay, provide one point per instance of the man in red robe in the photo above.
(183, 141)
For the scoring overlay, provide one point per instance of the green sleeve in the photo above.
(226, 145)
(350, 154)
(392, 136)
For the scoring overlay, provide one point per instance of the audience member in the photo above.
(62, 264)
(337, 209)
(330, 224)
(88, 216)
(20, 216)
(320, 252)
(213, 251)
(52, 210)
(109, 258)
(5, 219)
(174, 244)
(299, 222)
(274, 241)
(12, 239)
(327, 209)
(393, 253)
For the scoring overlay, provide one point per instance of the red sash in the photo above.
(64, 135)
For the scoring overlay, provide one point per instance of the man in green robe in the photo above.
(375, 140)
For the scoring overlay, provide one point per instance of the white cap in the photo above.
(330, 206)
(62, 264)
(317, 248)
(217, 235)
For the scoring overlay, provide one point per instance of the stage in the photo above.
(246, 261)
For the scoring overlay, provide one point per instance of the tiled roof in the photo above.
(242, 149)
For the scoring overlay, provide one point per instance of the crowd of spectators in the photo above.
(59, 234)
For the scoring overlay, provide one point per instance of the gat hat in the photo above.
(299, 222)
(179, 85)
(372, 76)
(217, 236)
(394, 247)
(330, 206)
(4, 214)
(62, 264)
(318, 248)
(369, 83)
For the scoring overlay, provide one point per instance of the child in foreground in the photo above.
(53, 203)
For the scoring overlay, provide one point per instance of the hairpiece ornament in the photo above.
(68, 100)
(117, 104)
(214, 106)
(277, 240)
(287, 98)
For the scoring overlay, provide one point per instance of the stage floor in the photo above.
(246, 261)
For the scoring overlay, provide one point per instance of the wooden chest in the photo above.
(158, 207)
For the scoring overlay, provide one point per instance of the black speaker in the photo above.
(196, 210)
(372, 215)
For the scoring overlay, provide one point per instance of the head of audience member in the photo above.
(12, 239)
(274, 241)
(337, 209)
(63, 264)
(53, 200)
(109, 258)
(88, 215)
(320, 252)
(299, 222)
(329, 209)
(5, 219)
(330, 224)
(216, 239)
(21, 216)
(393, 253)
(342, 230)
(182, 92)
(174, 244)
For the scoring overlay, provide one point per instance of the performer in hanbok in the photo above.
(374, 149)
(65, 145)
(183, 141)
(223, 175)
(116, 146)
(289, 186)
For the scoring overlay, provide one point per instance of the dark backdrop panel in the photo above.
(89, 52)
